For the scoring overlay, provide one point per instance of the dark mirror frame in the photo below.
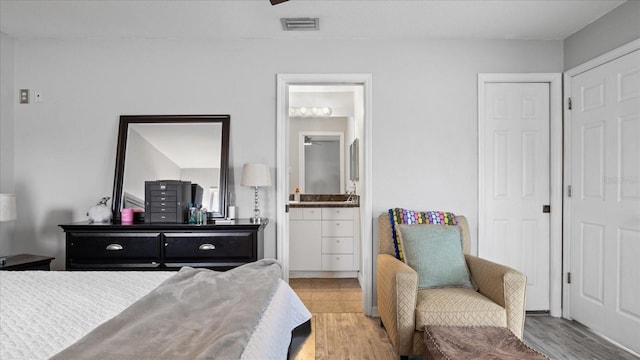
(121, 152)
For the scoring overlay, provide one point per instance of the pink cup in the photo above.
(126, 216)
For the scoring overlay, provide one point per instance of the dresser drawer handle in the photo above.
(207, 247)
(114, 247)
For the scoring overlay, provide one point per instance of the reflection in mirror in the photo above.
(186, 148)
(322, 162)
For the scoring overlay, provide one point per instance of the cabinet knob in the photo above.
(207, 247)
(114, 247)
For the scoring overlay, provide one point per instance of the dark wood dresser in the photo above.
(162, 246)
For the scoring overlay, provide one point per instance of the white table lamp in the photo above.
(7, 207)
(7, 211)
(256, 175)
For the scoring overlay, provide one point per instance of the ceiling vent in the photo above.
(297, 24)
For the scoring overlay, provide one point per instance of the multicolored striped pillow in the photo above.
(403, 216)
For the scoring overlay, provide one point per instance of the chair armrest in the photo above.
(504, 286)
(397, 289)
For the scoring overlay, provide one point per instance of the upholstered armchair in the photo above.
(405, 309)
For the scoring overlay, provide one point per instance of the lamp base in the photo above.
(258, 220)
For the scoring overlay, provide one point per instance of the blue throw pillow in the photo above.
(435, 253)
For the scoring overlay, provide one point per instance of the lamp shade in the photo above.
(7, 207)
(255, 175)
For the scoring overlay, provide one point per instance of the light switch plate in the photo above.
(24, 96)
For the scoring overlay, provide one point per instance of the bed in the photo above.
(248, 312)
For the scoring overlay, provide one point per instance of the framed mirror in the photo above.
(172, 147)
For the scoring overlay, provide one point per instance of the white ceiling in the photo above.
(339, 19)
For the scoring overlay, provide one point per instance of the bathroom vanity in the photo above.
(324, 238)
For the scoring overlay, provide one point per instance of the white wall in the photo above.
(424, 131)
(618, 27)
(7, 88)
(145, 162)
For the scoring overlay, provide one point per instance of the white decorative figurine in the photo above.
(100, 213)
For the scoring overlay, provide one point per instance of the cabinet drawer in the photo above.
(337, 262)
(337, 245)
(163, 217)
(160, 198)
(163, 209)
(162, 193)
(338, 228)
(162, 187)
(120, 247)
(305, 214)
(337, 213)
(312, 213)
(228, 246)
(295, 213)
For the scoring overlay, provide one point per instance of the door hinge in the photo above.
(568, 190)
(546, 209)
(569, 103)
(568, 278)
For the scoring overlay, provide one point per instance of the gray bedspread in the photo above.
(195, 314)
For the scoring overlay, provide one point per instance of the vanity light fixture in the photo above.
(256, 175)
(315, 111)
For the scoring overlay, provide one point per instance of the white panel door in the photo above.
(605, 201)
(515, 183)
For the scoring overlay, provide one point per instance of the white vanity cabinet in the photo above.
(323, 240)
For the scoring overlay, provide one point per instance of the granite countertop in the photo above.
(325, 200)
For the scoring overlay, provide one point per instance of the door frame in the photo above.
(282, 179)
(555, 172)
(567, 77)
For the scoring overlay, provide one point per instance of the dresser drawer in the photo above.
(337, 262)
(231, 246)
(339, 228)
(162, 186)
(117, 247)
(337, 245)
(337, 213)
(161, 198)
(163, 217)
(163, 208)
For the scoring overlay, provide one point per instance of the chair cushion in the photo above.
(435, 253)
(457, 307)
(403, 216)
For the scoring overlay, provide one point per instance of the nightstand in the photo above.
(27, 262)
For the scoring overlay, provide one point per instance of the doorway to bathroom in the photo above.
(312, 103)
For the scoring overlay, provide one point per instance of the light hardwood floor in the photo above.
(340, 331)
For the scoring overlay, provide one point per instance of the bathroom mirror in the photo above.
(172, 147)
(321, 162)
